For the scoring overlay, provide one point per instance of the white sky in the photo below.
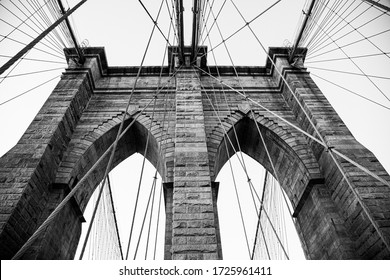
(123, 28)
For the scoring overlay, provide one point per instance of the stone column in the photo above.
(195, 230)
(355, 230)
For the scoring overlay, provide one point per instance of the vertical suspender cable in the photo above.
(115, 219)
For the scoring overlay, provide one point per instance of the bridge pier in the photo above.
(194, 226)
(80, 121)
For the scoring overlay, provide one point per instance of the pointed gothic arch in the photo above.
(295, 172)
(292, 169)
(39, 171)
(82, 157)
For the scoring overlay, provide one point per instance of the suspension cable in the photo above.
(235, 70)
(155, 23)
(228, 138)
(364, 207)
(350, 91)
(242, 27)
(35, 59)
(358, 67)
(27, 91)
(24, 21)
(62, 204)
(259, 225)
(115, 218)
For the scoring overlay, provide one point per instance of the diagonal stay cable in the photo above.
(357, 66)
(164, 134)
(39, 25)
(27, 34)
(357, 196)
(325, 44)
(31, 73)
(239, 81)
(13, 67)
(346, 58)
(62, 204)
(151, 215)
(379, 7)
(23, 22)
(206, 19)
(310, 56)
(350, 91)
(249, 181)
(314, 40)
(251, 187)
(282, 77)
(35, 48)
(115, 218)
(44, 21)
(17, 56)
(27, 91)
(262, 106)
(253, 116)
(156, 171)
(350, 73)
(321, 141)
(327, 21)
(170, 110)
(214, 21)
(158, 221)
(319, 39)
(344, 35)
(295, 126)
(139, 187)
(268, 217)
(152, 190)
(360, 33)
(226, 136)
(144, 158)
(241, 28)
(155, 178)
(173, 19)
(171, 23)
(35, 59)
(108, 168)
(155, 21)
(259, 225)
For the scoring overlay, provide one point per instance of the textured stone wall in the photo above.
(194, 231)
(186, 144)
(28, 170)
(364, 239)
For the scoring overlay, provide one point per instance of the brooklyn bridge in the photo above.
(194, 130)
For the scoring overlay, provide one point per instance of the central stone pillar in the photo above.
(191, 201)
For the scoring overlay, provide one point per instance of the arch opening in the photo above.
(125, 170)
(291, 171)
(234, 244)
(134, 141)
(103, 242)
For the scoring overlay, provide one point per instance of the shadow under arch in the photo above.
(61, 238)
(319, 221)
(292, 173)
(133, 141)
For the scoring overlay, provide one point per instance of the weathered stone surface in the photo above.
(188, 145)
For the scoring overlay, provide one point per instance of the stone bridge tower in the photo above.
(80, 120)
